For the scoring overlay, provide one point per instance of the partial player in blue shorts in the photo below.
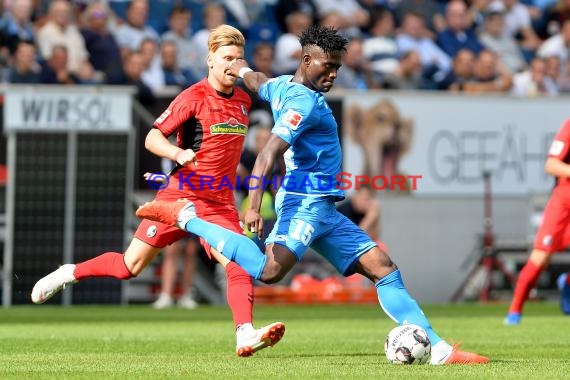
(305, 134)
(314, 222)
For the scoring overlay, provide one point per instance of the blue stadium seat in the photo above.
(119, 7)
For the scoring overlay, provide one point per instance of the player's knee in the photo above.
(375, 264)
(273, 272)
(135, 267)
(135, 270)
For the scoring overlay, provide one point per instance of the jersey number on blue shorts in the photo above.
(303, 232)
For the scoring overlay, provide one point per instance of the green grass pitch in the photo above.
(321, 342)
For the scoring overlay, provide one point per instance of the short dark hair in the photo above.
(327, 38)
(179, 9)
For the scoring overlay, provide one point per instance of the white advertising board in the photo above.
(55, 110)
(450, 140)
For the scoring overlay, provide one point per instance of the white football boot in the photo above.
(250, 340)
(49, 285)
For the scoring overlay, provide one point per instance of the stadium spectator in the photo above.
(363, 209)
(287, 48)
(55, 69)
(214, 15)
(427, 10)
(16, 25)
(461, 72)
(552, 235)
(284, 8)
(412, 37)
(534, 81)
(380, 48)
(134, 30)
(152, 75)
(158, 14)
(24, 67)
(494, 38)
(104, 52)
(557, 45)
(408, 75)
(189, 249)
(518, 24)
(332, 20)
(553, 68)
(179, 32)
(489, 75)
(134, 66)
(352, 15)
(262, 58)
(554, 16)
(306, 133)
(356, 73)
(564, 80)
(59, 30)
(174, 75)
(243, 13)
(459, 33)
(191, 114)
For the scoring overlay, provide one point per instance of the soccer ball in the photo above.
(407, 344)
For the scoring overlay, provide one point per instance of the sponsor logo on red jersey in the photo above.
(556, 148)
(163, 117)
(230, 127)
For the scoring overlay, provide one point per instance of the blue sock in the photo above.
(400, 306)
(236, 247)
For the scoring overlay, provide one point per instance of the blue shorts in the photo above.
(305, 221)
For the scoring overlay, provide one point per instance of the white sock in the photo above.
(439, 352)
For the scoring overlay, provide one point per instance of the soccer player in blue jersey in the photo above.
(306, 135)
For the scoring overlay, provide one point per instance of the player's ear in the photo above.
(210, 60)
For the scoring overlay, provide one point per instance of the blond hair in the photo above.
(225, 35)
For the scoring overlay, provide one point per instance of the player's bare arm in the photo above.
(557, 168)
(252, 79)
(274, 148)
(159, 145)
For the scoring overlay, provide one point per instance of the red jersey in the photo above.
(560, 149)
(213, 125)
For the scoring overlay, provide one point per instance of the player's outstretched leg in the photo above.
(250, 340)
(49, 285)
(563, 283)
(402, 308)
(108, 264)
(235, 247)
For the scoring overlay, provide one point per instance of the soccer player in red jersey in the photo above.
(554, 232)
(210, 119)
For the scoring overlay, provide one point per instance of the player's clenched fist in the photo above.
(234, 67)
(185, 157)
(254, 222)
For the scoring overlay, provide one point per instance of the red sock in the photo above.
(240, 294)
(568, 278)
(527, 281)
(109, 264)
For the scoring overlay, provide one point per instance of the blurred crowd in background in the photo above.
(519, 47)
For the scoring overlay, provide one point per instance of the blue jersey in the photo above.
(305, 121)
